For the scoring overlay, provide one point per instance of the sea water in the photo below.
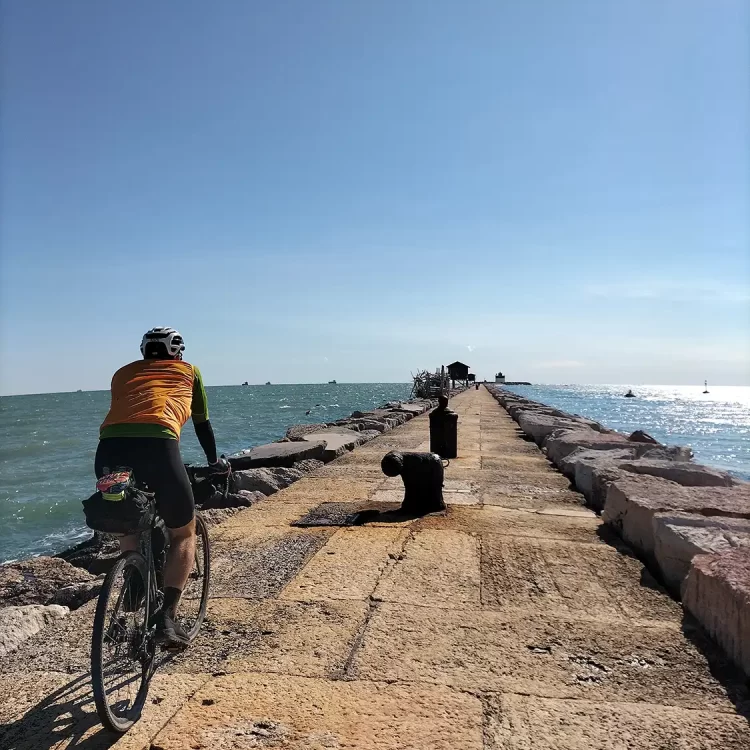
(48, 441)
(716, 425)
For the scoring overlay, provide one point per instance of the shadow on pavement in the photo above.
(722, 668)
(64, 718)
(731, 678)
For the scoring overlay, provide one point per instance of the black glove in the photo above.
(221, 466)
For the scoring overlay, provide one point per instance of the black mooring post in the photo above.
(444, 430)
(422, 474)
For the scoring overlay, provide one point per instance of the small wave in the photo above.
(332, 405)
(285, 407)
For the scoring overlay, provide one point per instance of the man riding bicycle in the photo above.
(152, 399)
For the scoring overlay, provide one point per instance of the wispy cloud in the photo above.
(672, 291)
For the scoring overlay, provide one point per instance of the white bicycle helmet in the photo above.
(169, 337)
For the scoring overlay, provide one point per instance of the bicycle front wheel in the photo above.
(194, 600)
(122, 649)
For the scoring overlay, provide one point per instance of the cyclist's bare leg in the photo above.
(129, 543)
(180, 556)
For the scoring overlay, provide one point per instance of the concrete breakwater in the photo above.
(512, 620)
(39, 590)
(689, 523)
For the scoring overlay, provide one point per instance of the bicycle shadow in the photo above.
(66, 716)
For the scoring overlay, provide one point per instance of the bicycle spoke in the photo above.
(120, 661)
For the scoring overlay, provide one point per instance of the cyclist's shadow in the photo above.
(65, 717)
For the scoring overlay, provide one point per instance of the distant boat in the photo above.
(246, 383)
(331, 382)
(268, 382)
(705, 385)
(630, 394)
(79, 391)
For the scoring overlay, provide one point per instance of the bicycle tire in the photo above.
(132, 563)
(203, 551)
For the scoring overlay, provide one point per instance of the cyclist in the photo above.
(152, 399)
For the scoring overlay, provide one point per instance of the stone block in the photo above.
(682, 472)
(298, 431)
(561, 444)
(592, 471)
(268, 711)
(36, 580)
(526, 722)
(538, 425)
(679, 537)
(338, 441)
(267, 481)
(717, 593)
(277, 454)
(633, 501)
(19, 623)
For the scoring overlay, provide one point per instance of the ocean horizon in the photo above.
(48, 441)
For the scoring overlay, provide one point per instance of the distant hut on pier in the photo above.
(458, 371)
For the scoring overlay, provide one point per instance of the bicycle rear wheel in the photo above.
(194, 600)
(122, 649)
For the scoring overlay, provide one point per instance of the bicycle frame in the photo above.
(145, 547)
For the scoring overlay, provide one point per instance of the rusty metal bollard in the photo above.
(422, 474)
(444, 430)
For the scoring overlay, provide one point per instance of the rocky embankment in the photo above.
(36, 591)
(689, 523)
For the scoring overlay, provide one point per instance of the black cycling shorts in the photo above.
(156, 462)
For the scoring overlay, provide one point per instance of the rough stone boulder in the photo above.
(338, 441)
(77, 594)
(561, 444)
(633, 501)
(96, 554)
(639, 436)
(682, 472)
(19, 623)
(298, 431)
(413, 407)
(266, 481)
(396, 417)
(515, 410)
(215, 516)
(276, 454)
(391, 418)
(679, 537)
(35, 581)
(236, 499)
(362, 424)
(717, 593)
(308, 465)
(592, 471)
(538, 426)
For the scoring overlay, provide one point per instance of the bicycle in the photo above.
(124, 644)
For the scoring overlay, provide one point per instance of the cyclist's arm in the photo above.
(203, 429)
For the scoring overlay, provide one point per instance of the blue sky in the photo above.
(355, 190)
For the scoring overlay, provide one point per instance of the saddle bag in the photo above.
(118, 506)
